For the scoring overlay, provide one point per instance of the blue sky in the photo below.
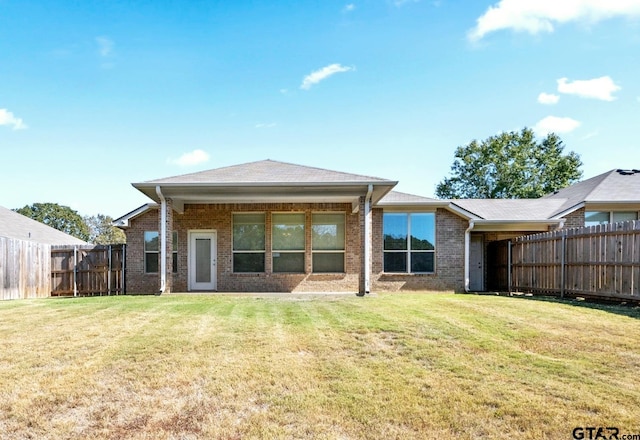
(95, 95)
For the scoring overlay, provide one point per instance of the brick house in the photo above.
(270, 226)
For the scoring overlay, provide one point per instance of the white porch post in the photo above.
(163, 240)
(367, 240)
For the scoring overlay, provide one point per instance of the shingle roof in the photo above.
(267, 172)
(615, 186)
(17, 226)
(510, 209)
(396, 197)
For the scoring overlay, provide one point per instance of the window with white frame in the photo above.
(328, 242)
(152, 251)
(248, 242)
(287, 242)
(592, 218)
(409, 242)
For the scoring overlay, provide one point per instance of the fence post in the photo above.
(509, 267)
(75, 271)
(123, 275)
(109, 273)
(562, 262)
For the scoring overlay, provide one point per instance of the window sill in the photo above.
(405, 274)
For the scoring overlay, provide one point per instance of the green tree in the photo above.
(509, 166)
(102, 231)
(59, 217)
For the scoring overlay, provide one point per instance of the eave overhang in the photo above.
(604, 205)
(413, 206)
(631, 205)
(286, 192)
(124, 221)
(516, 225)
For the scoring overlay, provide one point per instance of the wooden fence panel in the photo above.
(87, 270)
(25, 269)
(602, 261)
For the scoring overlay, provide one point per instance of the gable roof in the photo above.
(265, 172)
(20, 227)
(613, 187)
(265, 181)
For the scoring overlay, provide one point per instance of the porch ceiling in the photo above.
(264, 193)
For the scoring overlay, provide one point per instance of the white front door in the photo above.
(202, 260)
(476, 263)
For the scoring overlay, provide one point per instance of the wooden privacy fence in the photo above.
(25, 269)
(88, 270)
(600, 261)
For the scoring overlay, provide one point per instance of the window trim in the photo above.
(174, 252)
(253, 251)
(610, 214)
(408, 251)
(302, 251)
(343, 251)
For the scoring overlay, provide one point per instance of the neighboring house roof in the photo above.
(265, 181)
(510, 209)
(393, 198)
(615, 187)
(17, 226)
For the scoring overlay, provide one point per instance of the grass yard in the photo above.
(388, 366)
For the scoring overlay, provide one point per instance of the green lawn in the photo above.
(387, 366)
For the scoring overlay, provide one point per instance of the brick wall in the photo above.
(449, 264)
(219, 218)
(574, 219)
(138, 281)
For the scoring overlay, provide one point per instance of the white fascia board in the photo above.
(515, 225)
(123, 222)
(467, 215)
(265, 192)
(430, 206)
(568, 211)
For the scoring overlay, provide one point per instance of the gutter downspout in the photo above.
(367, 239)
(467, 241)
(163, 240)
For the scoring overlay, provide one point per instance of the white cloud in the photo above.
(555, 124)
(597, 88)
(105, 46)
(265, 125)
(349, 7)
(195, 157)
(322, 74)
(548, 98)
(590, 135)
(8, 118)
(536, 16)
(399, 3)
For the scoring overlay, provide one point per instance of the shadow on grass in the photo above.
(630, 309)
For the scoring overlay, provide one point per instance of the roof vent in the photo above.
(628, 172)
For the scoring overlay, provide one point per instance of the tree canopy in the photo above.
(97, 229)
(102, 231)
(510, 165)
(58, 217)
